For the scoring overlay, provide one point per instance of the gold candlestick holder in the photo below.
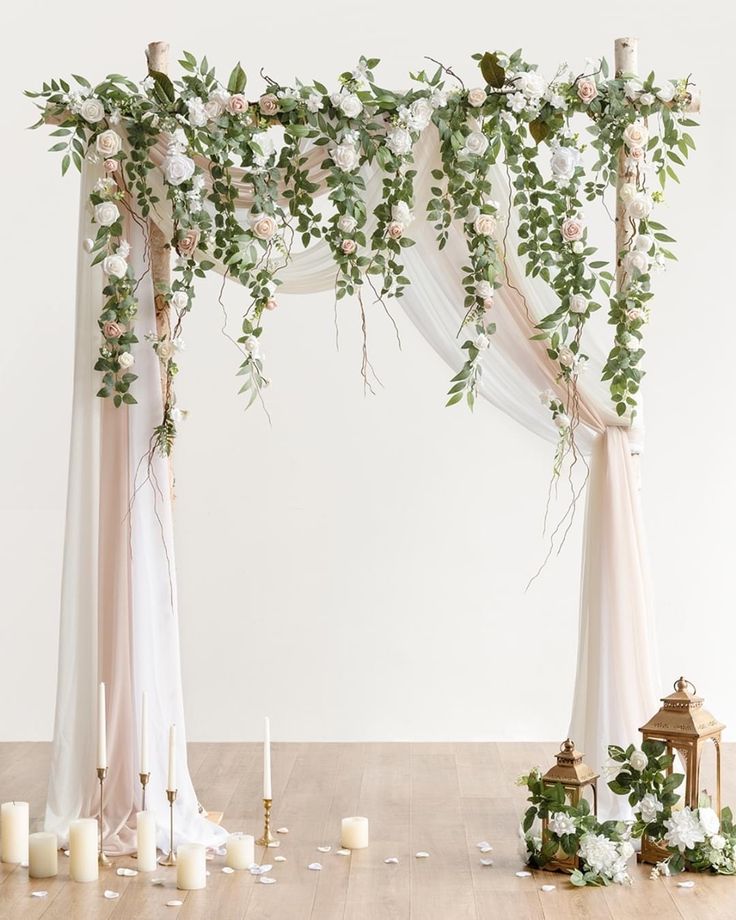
(101, 856)
(170, 860)
(144, 777)
(267, 840)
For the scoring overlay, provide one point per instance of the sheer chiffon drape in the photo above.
(118, 617)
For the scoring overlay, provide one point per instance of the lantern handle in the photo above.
(682, 684)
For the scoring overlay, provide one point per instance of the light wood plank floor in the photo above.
(442, 798)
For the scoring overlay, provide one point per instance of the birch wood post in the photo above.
(157, 55)
(626, 54)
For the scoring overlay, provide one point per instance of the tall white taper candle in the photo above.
(171, 784)
(267, 759)
(101, 729)
(144, 733)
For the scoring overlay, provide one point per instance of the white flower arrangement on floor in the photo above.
(508, 119)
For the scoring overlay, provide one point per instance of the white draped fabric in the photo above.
(616, 673)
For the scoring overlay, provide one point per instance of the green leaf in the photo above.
(164, 88)
(237, 81)
(493, 72)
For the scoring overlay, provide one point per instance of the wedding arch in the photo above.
(465, 205)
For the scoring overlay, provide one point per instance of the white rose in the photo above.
(565, 161)
(626, 850)
(476, 144)
(649, 807)
(213, 108)
(88, 245)
(646, 99)
(578, 303)
(636, 134)
(476, 97)
(178, 168)
(108, 143)
(485, 224)
(640, 206)
(561, 824)
(438, 99)
(632, 88)
(197, 113)
(106, 213)
(164, 350)
(636, 261)
(345, 157)
(251, 345)
(398, 141)
(547, 396)
(265, 143)
(125, 359)
(484, 289)
(92, 110)
(420, 112)
(643, 242)
(717, 842)
(566, 357)
(263, 226)
(628, 192)
(531, 83)
(639, 760)
(402, 213)
(180, 300)
(562, 420)
(709, 820)
(346, 223)
(115, 266)
(578, 247)
(667, 93)
(481, 342)
(350, 105)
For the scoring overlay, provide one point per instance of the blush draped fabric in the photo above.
(119, 617)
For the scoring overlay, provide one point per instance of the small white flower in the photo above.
(578, 247)
(516, 102)
(402, 214)
(632, 89)
(126, 359)
(556, 100)
(709, 819)
(562, 420)
(561, 824)
(438, 99)
(628, 192)
(481, 342)
(108, 143)
(314, 103)
(346, 223)
(88, 245)
(717, 841)
(684, 830)
(547, 396)
(636, 134)
(566, 357)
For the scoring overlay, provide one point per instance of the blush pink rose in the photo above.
(187, 244)
(587, 90)
(349, 247)
(112, 330)
(110, 165)
(271, 304)
(394, 230)
(237, 104)
(263, 226)
(572, 229)
(268, 104)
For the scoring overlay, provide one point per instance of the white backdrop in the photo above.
(343, 570)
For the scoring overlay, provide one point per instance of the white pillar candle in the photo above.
(146, 841)
(14, 822)
(171, 783)
(144, 733)
(241, 851)
(354, 833)
(43, 855)
(101, 729)
(83, 850)
(191, 866)
(267, 759)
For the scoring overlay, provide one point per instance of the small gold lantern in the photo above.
(685, 728)
(576, 778)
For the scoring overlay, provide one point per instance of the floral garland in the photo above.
(603, 847)
(697, 839)
(516, 118)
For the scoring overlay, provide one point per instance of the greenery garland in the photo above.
(515, 118)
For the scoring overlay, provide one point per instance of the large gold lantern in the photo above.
(685, 728)
(579, 781)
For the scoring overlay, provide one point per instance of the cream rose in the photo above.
(350, 105)
(180, 300)
(106, 213)
(481, 342)
(263, 226)
(213, 108)
(578, 303)
(108, 143)
(639, 761)
(349, 247)
(268, 104)
(640, 206)
(476, 97)
(636, 262)
(644, 242)
(346, 223)
(628, 192)
(484, 289)
(395, 230)
(667, 93)
(587, 90)
(566, 357)
(572, 229)
(636, 134)
(126, 360)
(237, 104)
(164, 350)
(187, 244)
(565, 160)
(485, 225)
(476, 144)
(345, 157)
(178, 168)
(112, 330)
(115, 266)
(92, 110)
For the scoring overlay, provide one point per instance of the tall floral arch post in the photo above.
(360, 126)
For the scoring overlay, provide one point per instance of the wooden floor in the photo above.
(442, 798)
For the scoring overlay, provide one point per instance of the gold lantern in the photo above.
(685, 728)
(576, 778)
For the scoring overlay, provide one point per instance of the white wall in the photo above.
(358, 568)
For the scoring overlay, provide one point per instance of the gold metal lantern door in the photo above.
(686, 728)
(577, 778)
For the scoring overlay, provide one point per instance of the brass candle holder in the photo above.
(170, 860)
(144, 777)
(267, 840)
(101, 856)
